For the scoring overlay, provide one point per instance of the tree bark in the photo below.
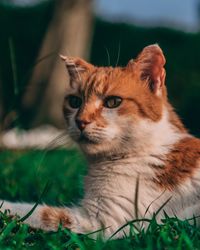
(69, 33)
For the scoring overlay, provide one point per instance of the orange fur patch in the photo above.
(137, 98)
(53, 217)
(180, 164)
(137, 85)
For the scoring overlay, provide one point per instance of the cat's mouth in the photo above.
(85, 139)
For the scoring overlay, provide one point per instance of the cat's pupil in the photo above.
(74, 101)
(112, 102)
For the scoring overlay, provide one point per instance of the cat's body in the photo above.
(140, 155)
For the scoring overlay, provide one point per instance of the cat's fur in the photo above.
(140, 145)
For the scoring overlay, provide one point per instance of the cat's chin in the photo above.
(91, 149)
(98, 149)
(89, 146)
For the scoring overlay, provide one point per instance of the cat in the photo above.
(139, 153)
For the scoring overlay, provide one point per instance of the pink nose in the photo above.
(81, 124)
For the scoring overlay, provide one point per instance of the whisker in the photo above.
(118, 54)
(57, 142)
(108, 55)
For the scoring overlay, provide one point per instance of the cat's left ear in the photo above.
(150, 66)
(75, 67)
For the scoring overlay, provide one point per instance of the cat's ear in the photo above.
(75, 67)
(150, 66)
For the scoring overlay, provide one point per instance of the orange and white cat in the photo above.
(133, 140)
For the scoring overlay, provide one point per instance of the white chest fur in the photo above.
(110, 193)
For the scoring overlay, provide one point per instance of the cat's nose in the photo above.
(81, 124)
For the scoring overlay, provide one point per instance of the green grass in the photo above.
(24, 175)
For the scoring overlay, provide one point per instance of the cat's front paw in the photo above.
(52, 217)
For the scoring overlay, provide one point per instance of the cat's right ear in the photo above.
(76, 67)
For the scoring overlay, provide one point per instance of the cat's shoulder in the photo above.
(186, 149)
(184, 155)
(181, 163)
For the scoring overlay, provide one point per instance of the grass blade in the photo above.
(14, 66)
(46, 188)
(127, 224)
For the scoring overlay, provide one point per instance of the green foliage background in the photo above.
(22, 31)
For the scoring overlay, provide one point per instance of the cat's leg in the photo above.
(49, 218)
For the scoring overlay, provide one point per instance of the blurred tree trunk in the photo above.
(69, 33)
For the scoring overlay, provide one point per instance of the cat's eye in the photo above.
(112, 102)
(75, 102)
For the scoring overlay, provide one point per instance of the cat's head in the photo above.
(106, 107)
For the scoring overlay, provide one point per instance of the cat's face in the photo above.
(106, 106)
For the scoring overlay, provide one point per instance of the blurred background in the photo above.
(33, 80)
